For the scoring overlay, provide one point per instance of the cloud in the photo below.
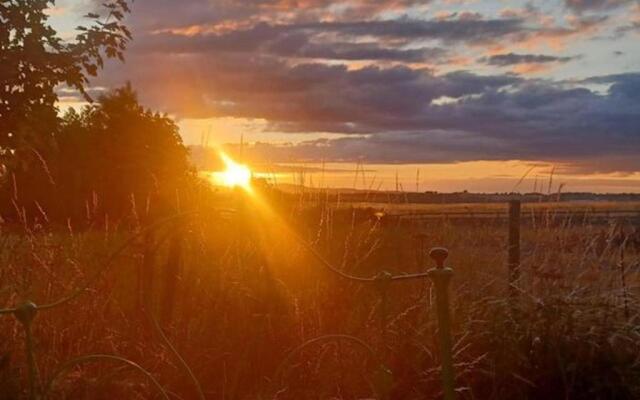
(447, 30)
(300, 46)
(378, 73)
(631, 27)
(400, 39)
(595, 5)
(503, 60)
(160, 14)
(405, 30)
(269, 40)
(633, 22)
(394, 112)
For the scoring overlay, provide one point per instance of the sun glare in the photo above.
(235, 174)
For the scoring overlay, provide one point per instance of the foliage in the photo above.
(35, 60)
(112, 158)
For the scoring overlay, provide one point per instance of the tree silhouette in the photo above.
(116, 154)
(112, 158)
(34, 61)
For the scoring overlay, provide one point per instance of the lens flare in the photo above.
(235, 174)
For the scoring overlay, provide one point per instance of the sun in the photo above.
(235, 174)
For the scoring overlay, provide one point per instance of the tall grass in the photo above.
(243, 293)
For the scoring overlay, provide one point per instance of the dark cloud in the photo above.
(244, 40)
(400, 111)
(300, 46)
(278, 42)
(503, 60)
(337, 33)
(629, 77)
(289, 38)
(305, 97)
(623, 86)
(595, 5)
(162, 14)
(447, 30)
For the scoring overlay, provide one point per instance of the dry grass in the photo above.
(243, 293)
(574, 206)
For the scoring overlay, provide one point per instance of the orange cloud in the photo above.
(533, 68)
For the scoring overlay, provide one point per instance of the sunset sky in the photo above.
(447, 94)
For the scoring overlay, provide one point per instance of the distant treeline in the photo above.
(467, 197)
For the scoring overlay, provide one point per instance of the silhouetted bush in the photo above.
(113, 158)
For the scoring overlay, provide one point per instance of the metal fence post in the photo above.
(514, 246)
(25, 313)
(441, 277)
(383, 380)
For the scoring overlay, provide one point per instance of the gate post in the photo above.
(441, 277)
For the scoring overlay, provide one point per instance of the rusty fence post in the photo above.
(441, 277)
(514, 247)
(25, 313)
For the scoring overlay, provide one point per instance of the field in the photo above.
(213, 302)
(475, 208)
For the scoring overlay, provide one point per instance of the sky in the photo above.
(443, 94)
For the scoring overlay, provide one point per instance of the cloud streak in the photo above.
(595, 5)
(503, 60)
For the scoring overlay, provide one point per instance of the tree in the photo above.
(34, 60)
(116, 154)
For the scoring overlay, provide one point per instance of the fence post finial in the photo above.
(439, 255)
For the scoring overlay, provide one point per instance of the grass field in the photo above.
(235, 292)
(573, 206)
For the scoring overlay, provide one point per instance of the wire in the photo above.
(98, 357)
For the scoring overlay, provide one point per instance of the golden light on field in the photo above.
(235, 174)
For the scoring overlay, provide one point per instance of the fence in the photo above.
(439, 275)
(26, 312)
